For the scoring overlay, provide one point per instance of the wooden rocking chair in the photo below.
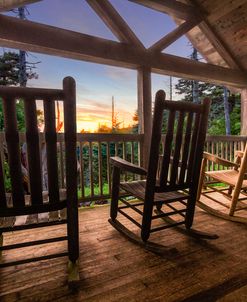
(175, 187)
(228, 200)
(33, 209)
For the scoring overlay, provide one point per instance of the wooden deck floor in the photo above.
(115, 269)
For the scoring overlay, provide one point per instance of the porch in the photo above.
(114, 269)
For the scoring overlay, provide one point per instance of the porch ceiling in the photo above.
(218, 31)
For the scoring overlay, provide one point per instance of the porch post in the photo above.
(145, 110)
(244, 112)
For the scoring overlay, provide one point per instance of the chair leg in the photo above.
(73, 243)
(1, 244)
(115, 193)
(146, 220)
(235, 197)
(190, 208)
(201, 179)
(73, 271)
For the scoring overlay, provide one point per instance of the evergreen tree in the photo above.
(217, 123)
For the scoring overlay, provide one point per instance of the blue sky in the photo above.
(96, 84)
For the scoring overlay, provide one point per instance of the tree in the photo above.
(9, 76)
(217, 116)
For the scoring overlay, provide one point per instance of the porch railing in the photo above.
(95, 149)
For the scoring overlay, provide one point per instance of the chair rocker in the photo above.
(229, 200)
(20, 211)
(174, 188)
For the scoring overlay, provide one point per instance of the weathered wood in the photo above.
(115, 22)
(84, 47)
(51, 150)
(171, 7)
(186, 146)
(41, 202)
(6, 5)
(167, 188)
(234, 178)
(3, 202)
(127, 166)
(33, 154)
(244, 112)
(14, 159)
(215, 39)
(71, 166)
(174, 35)
(144, 108)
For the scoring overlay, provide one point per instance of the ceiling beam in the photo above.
(6, 5)
(114, 22)
(172, 7)
(174, 35)
(31, 36)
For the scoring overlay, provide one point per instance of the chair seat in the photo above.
(229, 177)
(137, 189)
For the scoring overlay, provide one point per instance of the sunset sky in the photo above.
(96, 84)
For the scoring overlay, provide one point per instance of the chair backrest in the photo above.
(9, 97)
(184, 125)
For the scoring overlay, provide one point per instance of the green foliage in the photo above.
(217, 115)
(9, 69)
(7, 182)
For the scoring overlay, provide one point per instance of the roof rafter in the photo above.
(171, 7)
(174, 35)
(114, 21)
(61, 42)
(6, 5)
(214, 38)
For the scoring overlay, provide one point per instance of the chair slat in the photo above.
(178, 144)
(185, 154)
(167, 149)
(193, 146)
(51, 149)
(3, 202)
(14, 159)
(33, 154)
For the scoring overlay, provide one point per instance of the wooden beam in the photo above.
(6, 5)
(171, 7)
(244, 112)
(115, 22)
(215, 39)
(144, 110)
(31, 36)
(174, 35)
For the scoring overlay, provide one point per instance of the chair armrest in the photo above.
(127, 166)
(239, 153)
(219, 160)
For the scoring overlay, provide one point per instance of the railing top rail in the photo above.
(226, 138)
(108, 137)
(90, 137)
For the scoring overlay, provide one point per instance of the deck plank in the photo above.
(115, 269)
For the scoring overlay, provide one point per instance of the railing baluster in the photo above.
(108, 155)
(100, 169)
(90, 152)
(82, 171)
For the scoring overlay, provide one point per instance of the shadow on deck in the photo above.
(115, 269)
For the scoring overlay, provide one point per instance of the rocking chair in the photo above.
(20, 211)
(228, 200)
(175, 186)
